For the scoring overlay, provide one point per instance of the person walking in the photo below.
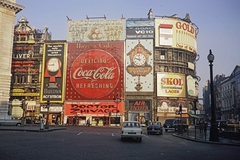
(74, 121)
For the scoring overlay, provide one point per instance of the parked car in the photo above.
(131, 129)
(10, 122)
(221, 125)
(155, 128)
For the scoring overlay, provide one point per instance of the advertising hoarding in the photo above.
(139, 65)
(96, 30)
(171, 85)
(94, 70)
(136, 29)
(53, 71)
(93, 108)
(175, 33)
(192, 86)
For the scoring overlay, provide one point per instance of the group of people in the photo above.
(74, 121)
(202, 126)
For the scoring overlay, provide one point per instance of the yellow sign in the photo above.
(18, 90)
(25, 94)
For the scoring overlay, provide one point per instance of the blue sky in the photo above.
(218, 22)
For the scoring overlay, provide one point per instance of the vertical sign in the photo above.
(53, 72)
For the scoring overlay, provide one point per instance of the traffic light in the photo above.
(180, 109)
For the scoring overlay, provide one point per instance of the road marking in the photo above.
(79, 133)
(145, 136)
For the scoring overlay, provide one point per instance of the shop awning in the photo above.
(195, 116)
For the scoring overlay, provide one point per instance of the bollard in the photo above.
(41, 123)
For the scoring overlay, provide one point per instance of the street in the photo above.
(87, 143)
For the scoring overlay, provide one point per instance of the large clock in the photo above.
(139, 59)
(53, 65)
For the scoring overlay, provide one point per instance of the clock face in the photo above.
(53, 65)
(139, 59)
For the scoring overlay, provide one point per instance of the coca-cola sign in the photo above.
(94, 73)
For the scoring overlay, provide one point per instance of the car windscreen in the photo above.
(131, 124)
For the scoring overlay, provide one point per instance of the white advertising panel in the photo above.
(175, 33)
(96, 30)
(192, 84)
(171, 85)
(139, 65)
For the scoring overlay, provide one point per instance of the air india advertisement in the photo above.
(94, 70)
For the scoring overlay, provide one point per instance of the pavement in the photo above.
(196, 137)
(200, 137)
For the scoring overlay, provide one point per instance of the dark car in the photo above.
(154, 128)
(221, 125)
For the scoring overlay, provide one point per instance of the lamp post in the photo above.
(47, 123)
(23, 114)
(213, 128)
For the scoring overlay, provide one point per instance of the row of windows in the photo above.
(22, 79)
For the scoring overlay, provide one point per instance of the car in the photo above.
(175, 124)
(221, 125)
(10, 122)
(155, 128)
(131, 129)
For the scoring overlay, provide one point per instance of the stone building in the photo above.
(8, 10)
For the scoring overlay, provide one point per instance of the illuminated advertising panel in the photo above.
(94, 108)
(136, 29)
(192, 86)
(94, 70)
(139, 65)
(96, 30)
(53, 71)
(171, 85)
(175, 33)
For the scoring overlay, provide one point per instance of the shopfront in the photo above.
(55, 115)
(98, 113)
(140, 110)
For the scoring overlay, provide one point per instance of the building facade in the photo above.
(175, 58)
(26, 72)
(227, 97)
(8, 10)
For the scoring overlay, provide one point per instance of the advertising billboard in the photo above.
(192, 86)
(93, 108)
(175, 33)
(96, 30)
(53, 72)
(136, 29)
(94, 70)
(139, 65)
(171, 85)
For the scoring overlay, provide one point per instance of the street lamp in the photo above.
(117, 100)
(23, 114)
(213, 128)
(48, 106)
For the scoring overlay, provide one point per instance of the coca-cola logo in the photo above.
(95, 73)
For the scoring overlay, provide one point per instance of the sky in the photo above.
(218, 22)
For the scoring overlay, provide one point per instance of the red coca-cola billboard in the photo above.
(94, 70)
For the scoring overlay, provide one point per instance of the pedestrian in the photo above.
(74, 121)
(201, 127)
(67, 121)
(88, 122)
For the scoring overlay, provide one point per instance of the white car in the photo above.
(131, 129)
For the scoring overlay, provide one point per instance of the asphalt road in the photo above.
(91, 143)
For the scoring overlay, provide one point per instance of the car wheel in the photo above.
(166, 130)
